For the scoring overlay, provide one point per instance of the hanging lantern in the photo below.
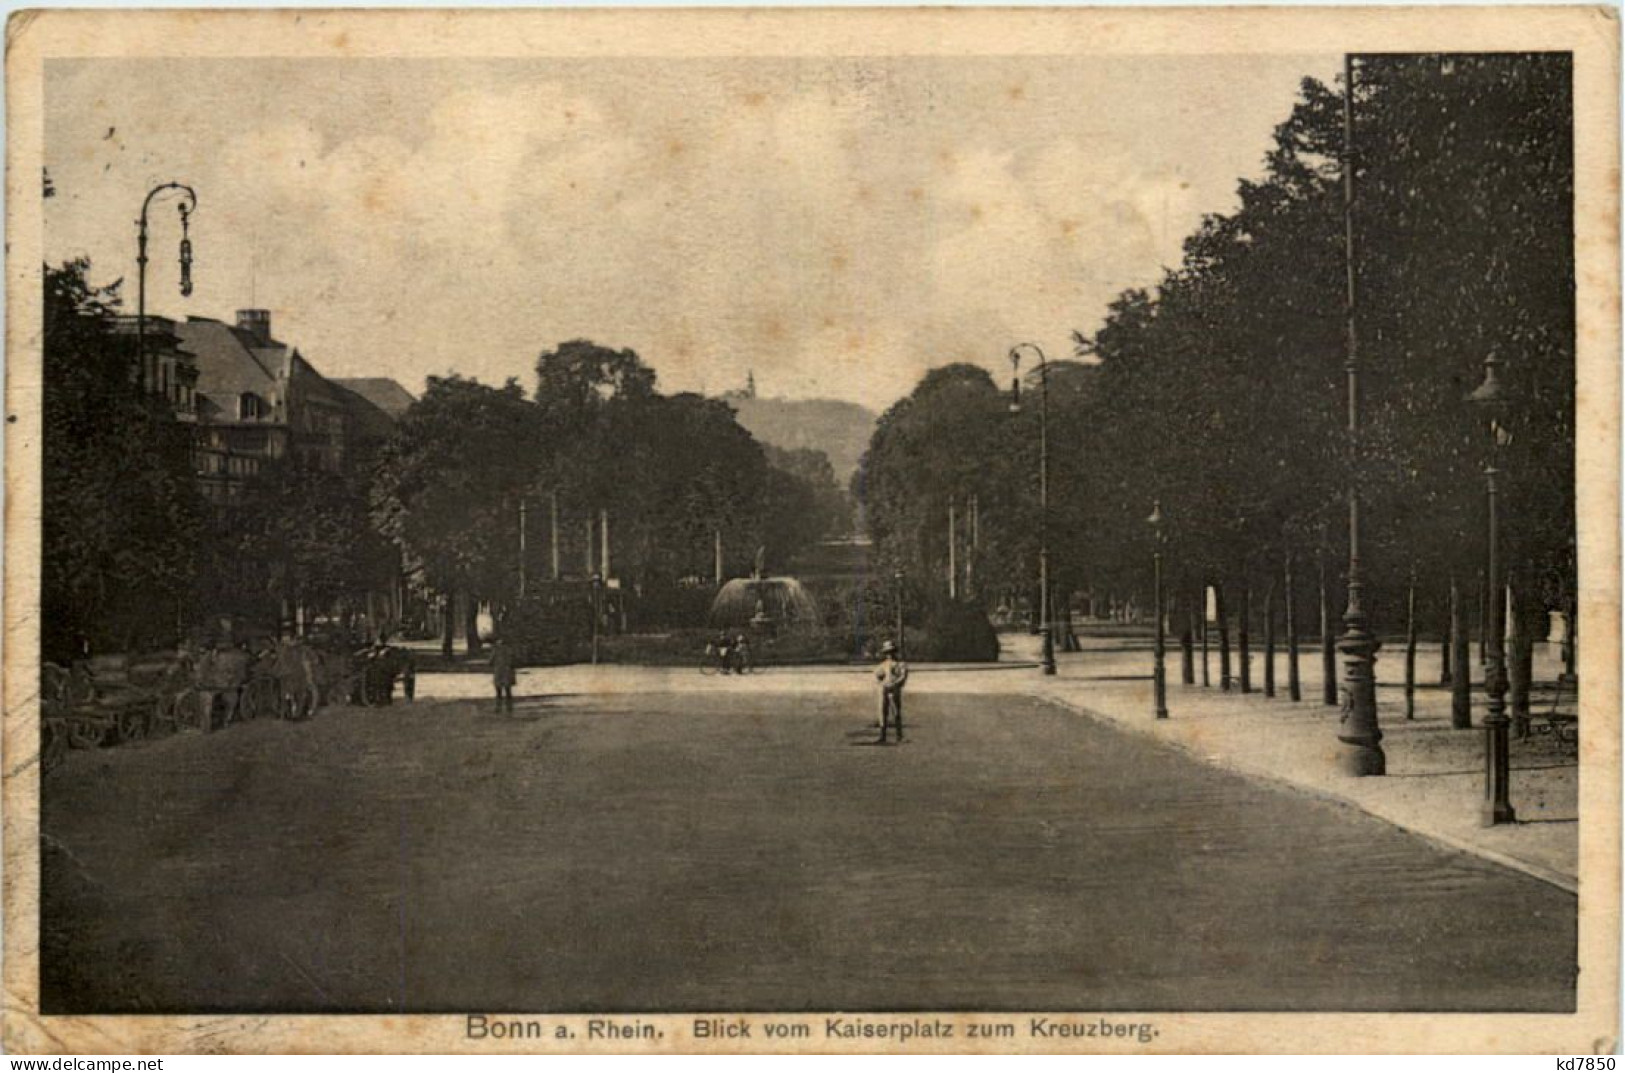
(186, 254)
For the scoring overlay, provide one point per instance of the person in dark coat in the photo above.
(377, 674)
(408, 664)
(504, 674)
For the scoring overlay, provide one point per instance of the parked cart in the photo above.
(99, 701)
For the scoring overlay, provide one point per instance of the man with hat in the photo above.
(892, 674)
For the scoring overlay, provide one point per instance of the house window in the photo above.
(250, 407)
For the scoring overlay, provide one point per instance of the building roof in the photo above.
(371, 421)
(314, 383)
(229, 364)
(386, 394)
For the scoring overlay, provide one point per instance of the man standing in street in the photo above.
(892, 674)
(503, 675)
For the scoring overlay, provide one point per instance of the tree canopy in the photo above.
(1222, 390)
(122, 515)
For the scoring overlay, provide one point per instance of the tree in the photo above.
(953, 437)
(122, 518)
(300, 539)
(829, 512)
(449, 484)
(1222, 391)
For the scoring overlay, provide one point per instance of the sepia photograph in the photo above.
(812, 531)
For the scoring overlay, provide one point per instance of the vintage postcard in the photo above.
(812, 530)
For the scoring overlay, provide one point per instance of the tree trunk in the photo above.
(471, 624)
(1187, 653)
(448, 624)
(1519, 650)
(1461, 681)
(553, 533)
(1483, 621)
(1269, 640)
(1524, 677)
(1571, 637)
(1224, 637)
(1444, 657)
(1245, 655)
(1207, 674)
(1294, 686)
(1410, 651)
(1328, 650)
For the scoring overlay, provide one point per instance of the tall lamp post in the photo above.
(1046, 628)
(1490, 399)
(187, 206)
(1358, 728)
(1159, 679)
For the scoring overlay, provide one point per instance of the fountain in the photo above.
(765, 603)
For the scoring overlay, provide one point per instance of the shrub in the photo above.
(545, 632)
(863, 616)
(954, 632)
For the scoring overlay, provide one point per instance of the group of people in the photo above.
(380, 665)
(731, 653)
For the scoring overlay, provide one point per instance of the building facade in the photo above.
(253, 399)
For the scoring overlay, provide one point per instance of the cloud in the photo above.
(837, 226)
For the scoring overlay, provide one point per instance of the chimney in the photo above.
(256, 322)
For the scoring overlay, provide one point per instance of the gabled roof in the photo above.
(371, 422)
(229, 364)
(314, 384)
(386, 394)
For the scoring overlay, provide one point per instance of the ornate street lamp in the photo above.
(187, 206)
(1491, 400)
(1358, 728)
(1046, 628)
(1159, 680)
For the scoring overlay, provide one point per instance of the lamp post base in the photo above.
(1360, 730)
(1363, 758)
(1497, 769)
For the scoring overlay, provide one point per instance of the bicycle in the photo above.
(716, 660)
(727, 659)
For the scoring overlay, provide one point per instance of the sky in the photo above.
(837, 226)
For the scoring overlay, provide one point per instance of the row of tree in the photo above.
(1223, 391)
(134, 557)
(684, 489)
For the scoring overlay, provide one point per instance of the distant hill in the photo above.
(839, 429)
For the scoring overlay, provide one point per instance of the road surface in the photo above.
(748, 849)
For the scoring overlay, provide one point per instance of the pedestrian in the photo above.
(723, 647)
(892, 674)
(503, 676)
(381, 673)
(409, 673)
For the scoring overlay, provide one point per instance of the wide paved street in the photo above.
(735, 849)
